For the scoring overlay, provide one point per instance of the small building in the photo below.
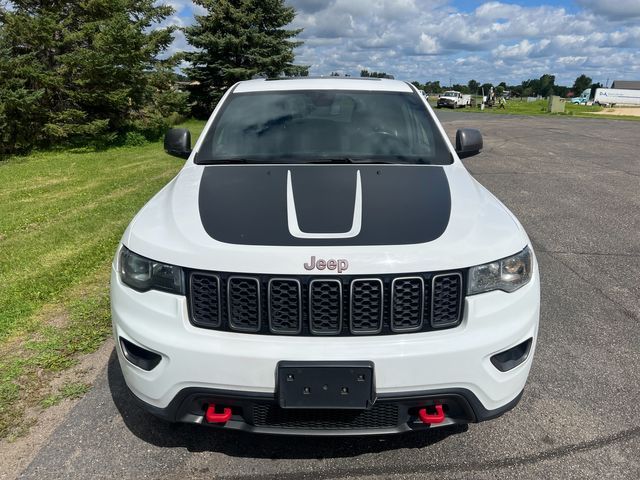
(626, 84)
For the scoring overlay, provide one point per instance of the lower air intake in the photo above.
(377, 417)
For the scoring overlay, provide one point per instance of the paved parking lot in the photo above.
(575, 185)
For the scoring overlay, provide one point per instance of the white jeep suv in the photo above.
(325, 264)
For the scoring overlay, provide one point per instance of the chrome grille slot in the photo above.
(366, 306)
(243, 302)
(407, 304)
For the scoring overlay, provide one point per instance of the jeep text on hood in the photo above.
(325, 264)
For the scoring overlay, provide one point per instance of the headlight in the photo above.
(143, 274)
(508, 274)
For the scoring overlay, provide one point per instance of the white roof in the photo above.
(324, 83)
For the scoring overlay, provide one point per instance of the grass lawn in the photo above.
(61, 216)
(539, 107)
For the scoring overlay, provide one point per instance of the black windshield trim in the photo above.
(299, 160)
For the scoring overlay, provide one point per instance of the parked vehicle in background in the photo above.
(616, 96)
(609, 96)
(453, 99)
(583, 98)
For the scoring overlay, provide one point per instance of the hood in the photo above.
(273, 218)
(318, 205)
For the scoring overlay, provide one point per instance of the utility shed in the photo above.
(626, 84)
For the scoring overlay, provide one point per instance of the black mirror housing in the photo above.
(177, 142)
(468, 142)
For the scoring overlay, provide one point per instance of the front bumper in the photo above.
(425, 366)
(260, 413)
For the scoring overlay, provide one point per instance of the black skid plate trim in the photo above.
(401, 204)
(187, 407)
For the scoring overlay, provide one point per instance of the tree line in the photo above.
(98, 72)
(543, 86)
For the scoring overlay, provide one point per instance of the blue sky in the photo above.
(463, 39)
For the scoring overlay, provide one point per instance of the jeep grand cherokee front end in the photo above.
(324, 264)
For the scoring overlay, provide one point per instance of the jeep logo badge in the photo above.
(340, 265)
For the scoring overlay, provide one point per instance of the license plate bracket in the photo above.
(325, 385)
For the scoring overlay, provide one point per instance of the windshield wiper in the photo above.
(411, 160)
(286, 159)
(331, 160)
(225, 161)
(393, 160)
(349, 160)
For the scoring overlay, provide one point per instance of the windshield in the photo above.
(324, 126)
(450, 94)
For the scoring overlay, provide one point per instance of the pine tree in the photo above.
(237, 40)
(77, 71)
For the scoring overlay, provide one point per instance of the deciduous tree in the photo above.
(581, 84)
(368, 74)
(547, 84)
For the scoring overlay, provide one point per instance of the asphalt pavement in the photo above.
(575, 186)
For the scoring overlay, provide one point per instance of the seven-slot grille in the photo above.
(313, 306)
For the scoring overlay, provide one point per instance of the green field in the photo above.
(61, 217)
(539, 107)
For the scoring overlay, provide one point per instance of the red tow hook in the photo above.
(432, 419)
(212, 417)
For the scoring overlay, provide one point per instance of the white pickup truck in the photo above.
(453, 99)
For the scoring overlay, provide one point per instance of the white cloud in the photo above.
(428, 45)
(497, 11)
(613, 9)
(521, 49)
(432, 40)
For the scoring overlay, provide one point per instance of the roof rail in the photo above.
(320, 77)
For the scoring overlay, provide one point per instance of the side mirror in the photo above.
(177, 142)
(468, 142)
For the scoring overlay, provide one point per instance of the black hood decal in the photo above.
(378, 204)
